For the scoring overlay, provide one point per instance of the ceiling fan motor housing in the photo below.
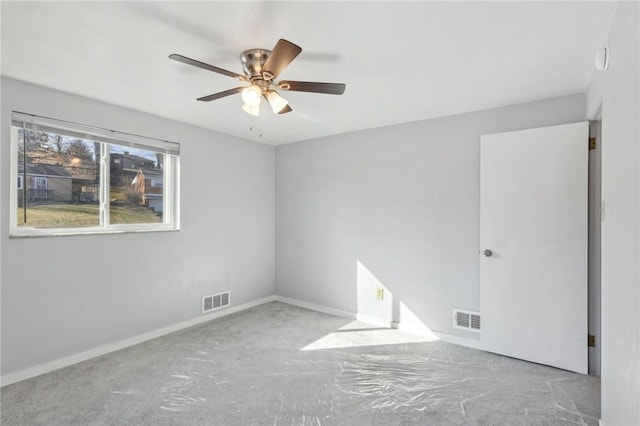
(253, 60)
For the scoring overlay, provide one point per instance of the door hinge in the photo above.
(592, 143)
(592, 340)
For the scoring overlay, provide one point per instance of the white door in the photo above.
(533, 219)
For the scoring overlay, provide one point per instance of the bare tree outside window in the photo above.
(60, 176)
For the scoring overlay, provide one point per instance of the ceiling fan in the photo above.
(261, 67)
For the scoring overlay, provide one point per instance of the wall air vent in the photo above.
(466, 320)
(216, 301)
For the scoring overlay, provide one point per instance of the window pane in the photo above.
(75, 177)
(136, 185)
(58, 180)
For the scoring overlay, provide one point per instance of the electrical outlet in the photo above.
(379, 293)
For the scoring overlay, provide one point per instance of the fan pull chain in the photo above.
(252, 126)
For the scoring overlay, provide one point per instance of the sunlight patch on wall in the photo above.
(375, 318)
(371, 308)
(410, 323)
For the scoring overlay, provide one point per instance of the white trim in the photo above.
(24, 232)
(380, 322)
(600, 422)
(98, 134)
(315, 307)
(104, 188)
(171, 192)
(596, 113)
(445, 337)
(412, 329)
(14, 172)
(457, 340)
(47, 367)
(449, 338)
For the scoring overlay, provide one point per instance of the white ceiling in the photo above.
(401, 61)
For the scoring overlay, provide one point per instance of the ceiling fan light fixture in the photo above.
(251, 96)
(276, 101)
(261, 67)
(253, 110)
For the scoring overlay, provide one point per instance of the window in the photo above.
(77, 179)
(41, 183)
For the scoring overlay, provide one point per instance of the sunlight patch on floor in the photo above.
(357, 334)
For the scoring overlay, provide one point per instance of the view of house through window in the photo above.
(132, 197)
(62, 176)
(68, 179)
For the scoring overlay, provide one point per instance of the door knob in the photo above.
(487, 253)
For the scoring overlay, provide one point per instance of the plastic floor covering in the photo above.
(277, 364)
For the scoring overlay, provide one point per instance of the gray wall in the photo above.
(403, 201)
(62, 296)
(618, 91)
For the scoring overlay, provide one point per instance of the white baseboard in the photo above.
(333, 311)
(374, 321)
(445, 337)
(457, 340)
(413, 329)
(449, 338)
(316, 307)
(47, 367)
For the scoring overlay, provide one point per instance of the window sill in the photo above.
(42, 233)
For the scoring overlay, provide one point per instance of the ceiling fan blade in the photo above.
(221, 94)
(309, 86)
(282, 54)
(207, 67)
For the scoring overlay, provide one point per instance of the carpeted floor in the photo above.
(277, 364)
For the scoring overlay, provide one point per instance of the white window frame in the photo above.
(171, 176)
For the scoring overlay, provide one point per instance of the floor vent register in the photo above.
(215, 301)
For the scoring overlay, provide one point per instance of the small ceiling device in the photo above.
(261, 68)
(601, 59)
